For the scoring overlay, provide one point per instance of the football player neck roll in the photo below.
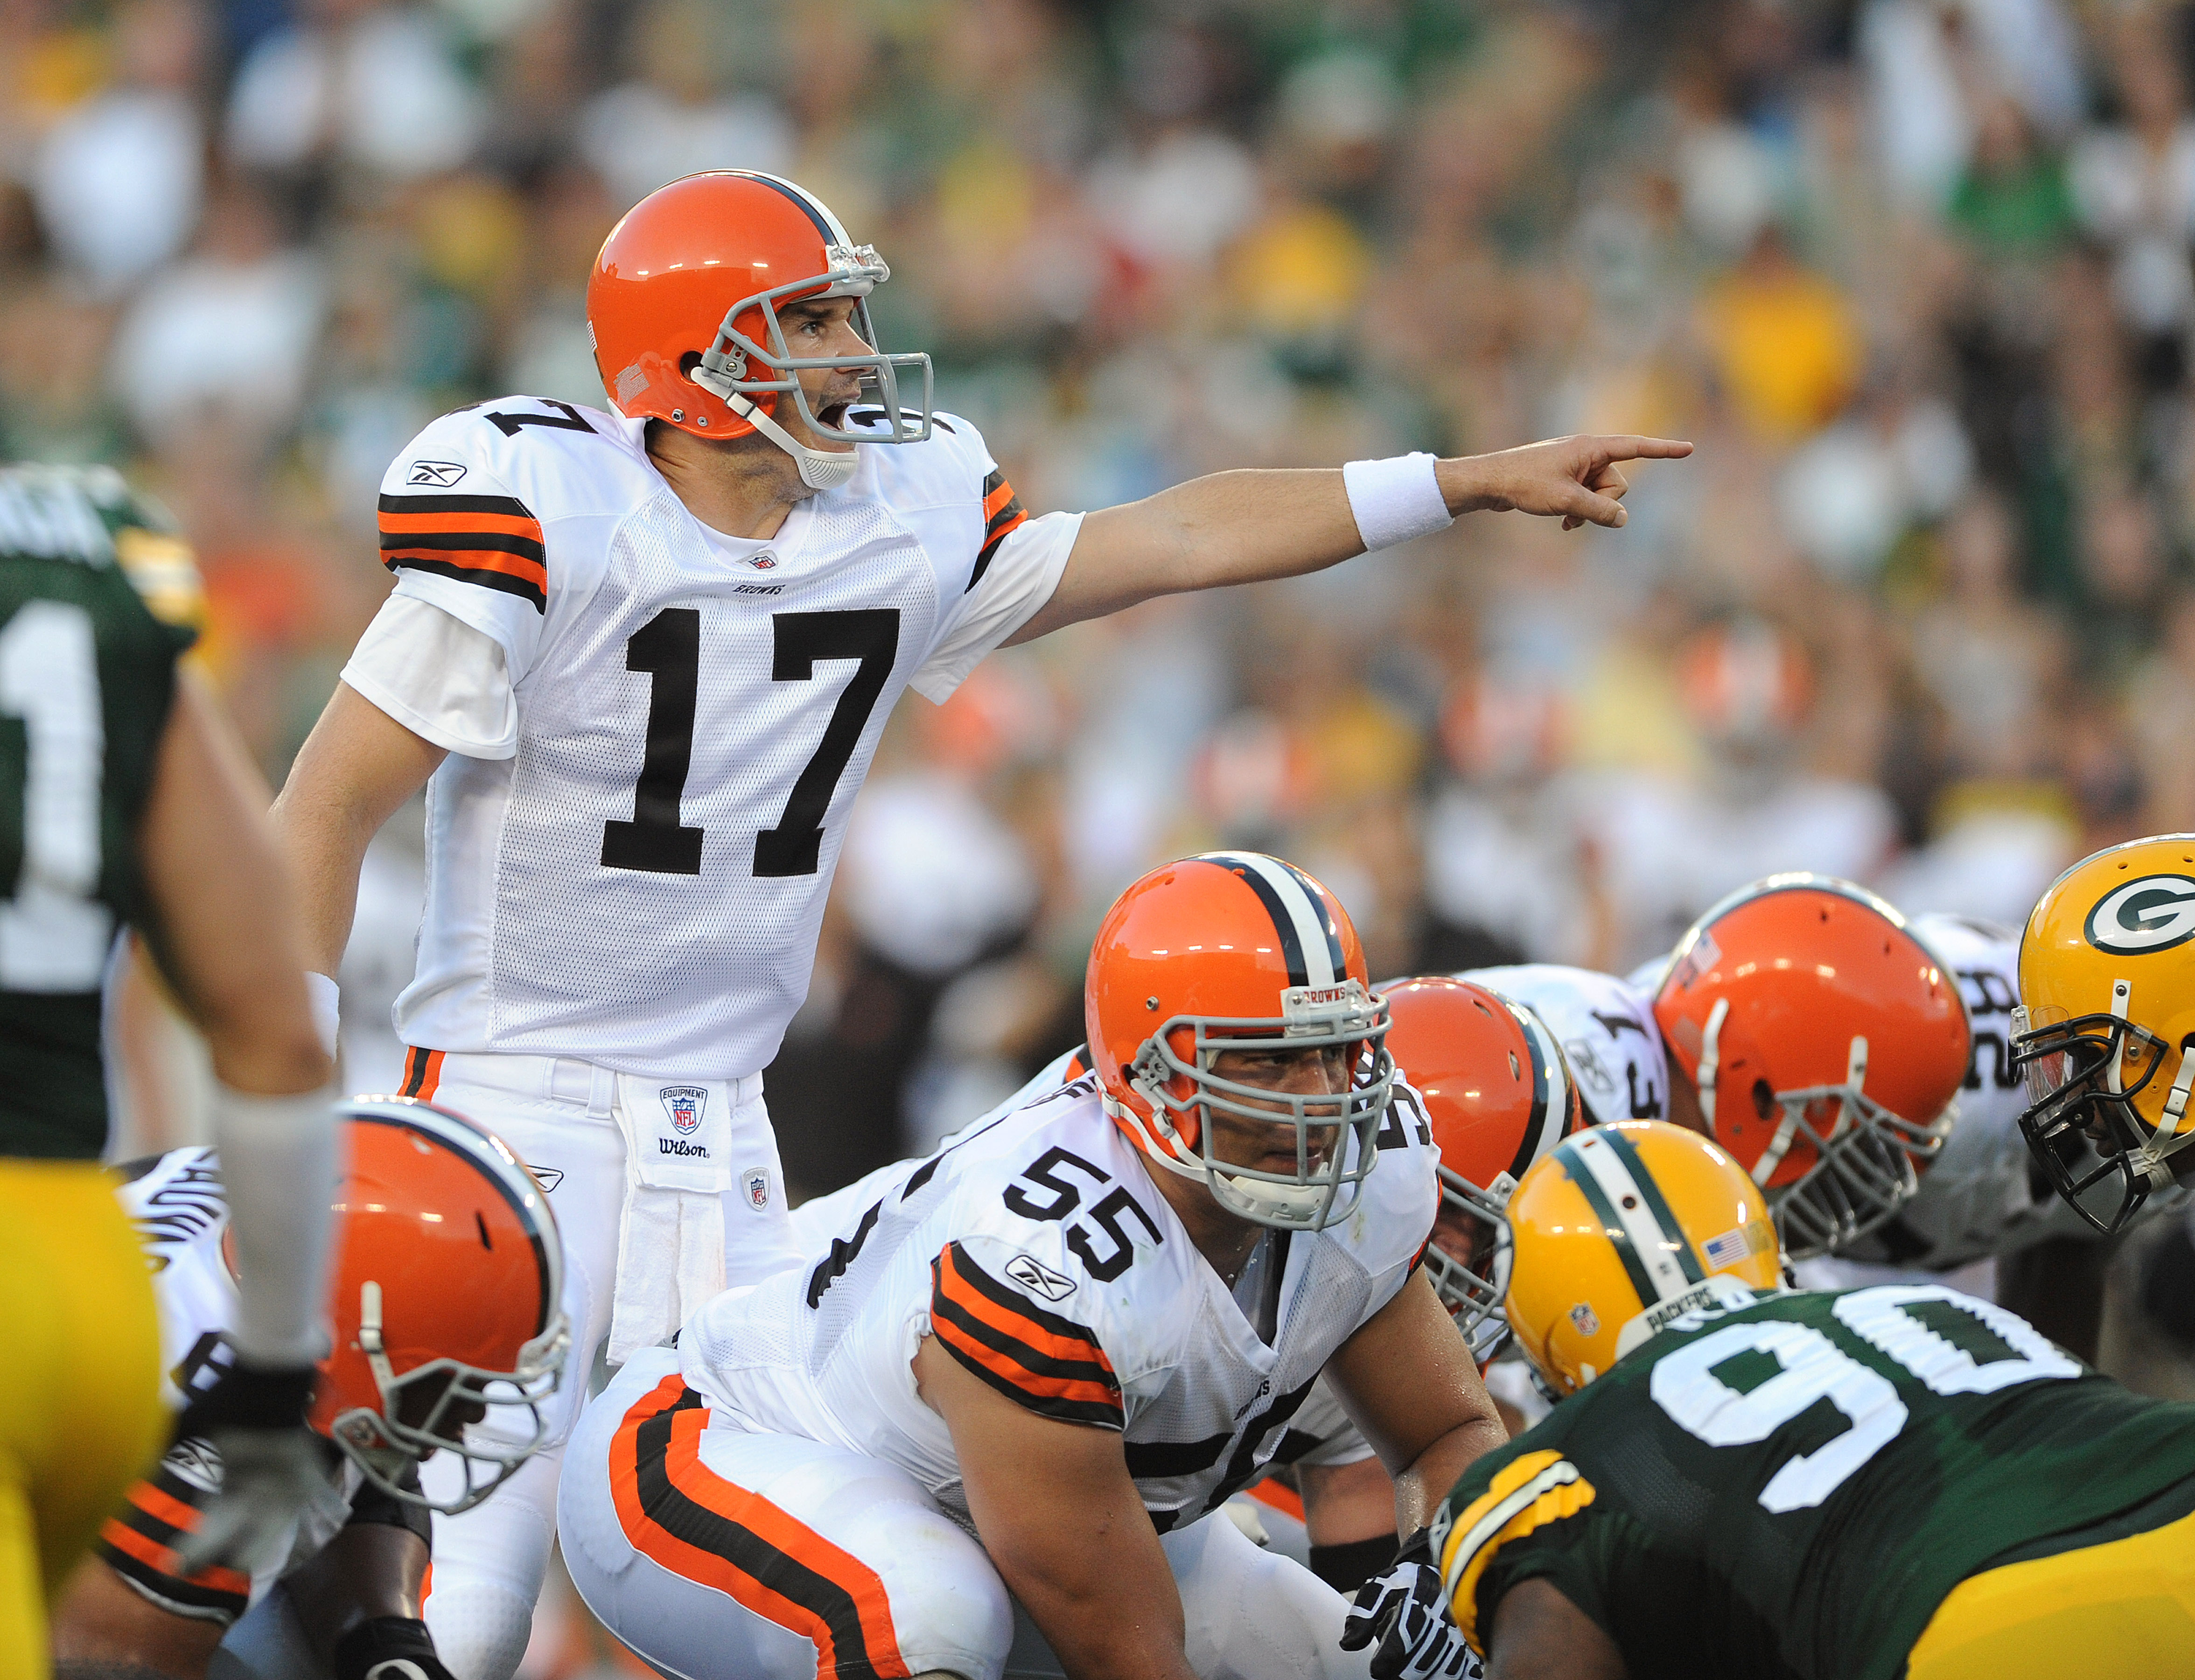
(669, 347)
(1498, 1096)
(445, 1302)
(1824, 1043)
(1765, 1484)
(1042, 1360)
(2107, 1018)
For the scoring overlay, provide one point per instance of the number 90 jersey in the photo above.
(640, 882)
(1792, 1488)
(1039, 1254)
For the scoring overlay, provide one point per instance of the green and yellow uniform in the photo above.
(87, 677)
(1823, 1485)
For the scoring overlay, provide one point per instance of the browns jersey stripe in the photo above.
(139, 1542)
(678, 1511)
(1049, 1364)
(1002, 512)
(423, 1073)
(494, 541)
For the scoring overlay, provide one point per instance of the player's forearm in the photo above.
(1104, 1621)
(368, 1570)
(1419, 1489)
(355, 769)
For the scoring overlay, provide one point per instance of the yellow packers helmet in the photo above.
(2107, 994)
(1622, 1229)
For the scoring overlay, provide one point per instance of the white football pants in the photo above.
(721, 1555)
(554, 1113)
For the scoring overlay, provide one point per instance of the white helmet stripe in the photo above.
(1629, 1203)
(1295, 910)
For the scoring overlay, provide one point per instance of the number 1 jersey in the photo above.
(1790, 1490)
(640, 882)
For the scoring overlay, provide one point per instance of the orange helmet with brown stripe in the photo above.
(1825, 1042)
(1235, 950)
(1498, 1096)
(446, 1296)
(682, 309)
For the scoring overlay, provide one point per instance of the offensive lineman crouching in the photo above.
(1075, 1332)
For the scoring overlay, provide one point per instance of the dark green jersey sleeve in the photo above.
(87, 676)
(1791, 1489)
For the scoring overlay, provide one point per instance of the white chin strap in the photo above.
(819, 468)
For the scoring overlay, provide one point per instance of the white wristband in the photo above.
(326, 998)
(1395, 500)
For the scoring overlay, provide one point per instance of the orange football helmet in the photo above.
(1235, 950)
(447, 1291)
(1497, 1094)
(1825, 1042)
(682, 308)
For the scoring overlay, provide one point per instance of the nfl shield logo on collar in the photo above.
(755, 1181)
(684, 1104)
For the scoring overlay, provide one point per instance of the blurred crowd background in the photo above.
(1916, 275)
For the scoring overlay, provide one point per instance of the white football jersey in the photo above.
(1982, 1194)
(641, 883)
(1039, 1253)
(180, 1214)
(1607, 1030)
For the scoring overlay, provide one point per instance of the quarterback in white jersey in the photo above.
(444, 1300)
(645, 657)
(1074, 1332)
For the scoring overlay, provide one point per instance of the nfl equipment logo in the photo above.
(756, 1181)
(1586, 1321)
(684, 1104)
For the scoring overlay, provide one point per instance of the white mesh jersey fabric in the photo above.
(1607, 1031)
(585, 897)
(824, 1351)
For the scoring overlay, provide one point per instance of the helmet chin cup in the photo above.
(819, 468)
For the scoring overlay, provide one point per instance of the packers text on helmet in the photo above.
(1622, 1230)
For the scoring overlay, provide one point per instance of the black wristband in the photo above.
(1348, 1565)
(382, 1639)
(1418, 1548)
(249, 1398)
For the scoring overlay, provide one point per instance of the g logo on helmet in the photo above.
(2153, 913)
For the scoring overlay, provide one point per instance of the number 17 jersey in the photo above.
(641, 881)
(1790, 1490)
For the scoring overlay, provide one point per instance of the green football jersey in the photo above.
(1791, 1488)
(87, 673)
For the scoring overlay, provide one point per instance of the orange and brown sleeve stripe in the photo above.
(490, 541)
(675, 1510)
(1002, 512)
(423, 1073)
(1049, 1364)
(139, 1542)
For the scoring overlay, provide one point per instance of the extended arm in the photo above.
(1408, 1380)
(1249, 526)
(1065, 1526)
(355, 769)
(1539, 1635)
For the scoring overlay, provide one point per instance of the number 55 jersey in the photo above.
(1793, 1488)
(1041, 1256)
(656, 730)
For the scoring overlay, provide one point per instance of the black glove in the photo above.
(389, 1647)
(272, 1466)
(1406, 1611)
